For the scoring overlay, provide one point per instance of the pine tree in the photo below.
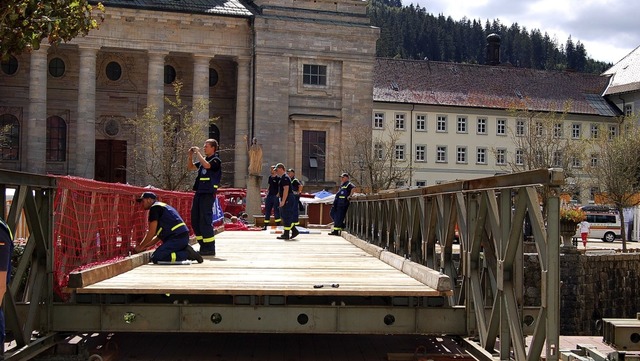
(410, 32)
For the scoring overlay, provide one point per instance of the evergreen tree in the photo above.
(410, 32)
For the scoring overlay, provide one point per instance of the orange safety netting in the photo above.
(97, 223)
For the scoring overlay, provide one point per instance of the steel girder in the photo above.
(417, 224)
(30, 293)
(489, 213)
(257, 318)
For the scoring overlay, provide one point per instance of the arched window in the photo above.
(213, 77)
(56, 139)
(9, 137)
(214, 132)
(169, 74)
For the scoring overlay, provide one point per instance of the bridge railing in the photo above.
(69, 223)
(489, 216)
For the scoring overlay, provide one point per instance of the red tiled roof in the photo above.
(483, 86)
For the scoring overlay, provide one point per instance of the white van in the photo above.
(604, 225)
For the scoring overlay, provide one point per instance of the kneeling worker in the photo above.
(166, 225)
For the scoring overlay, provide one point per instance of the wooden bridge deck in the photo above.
(256, 263)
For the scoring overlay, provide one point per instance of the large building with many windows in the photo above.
(292, 74)
(461, 121)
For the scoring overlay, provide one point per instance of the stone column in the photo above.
(155, 82)
(155, 99)
(253, 196)
(201, 92)
(36, 150)
(242, 121)
(86, 127)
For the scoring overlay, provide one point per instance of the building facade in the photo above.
(624, 86)
(463, 121)
(291, 74)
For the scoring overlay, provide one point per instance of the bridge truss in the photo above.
(417, 224)
(489, 214)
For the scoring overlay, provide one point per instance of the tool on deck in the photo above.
(332, 285)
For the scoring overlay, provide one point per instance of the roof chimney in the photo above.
(493, 49)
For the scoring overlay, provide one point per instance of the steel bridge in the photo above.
(410, 230)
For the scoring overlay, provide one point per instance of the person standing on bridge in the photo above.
(340, 205)
(296, 189)
(6, 250)
(288, 204)
(166, 225)
(271, 199)
(207, 181)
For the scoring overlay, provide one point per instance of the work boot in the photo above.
(294, 232)
(209, 250)
(335, 232)
(192, 255)
(285, 235)
(265, 227)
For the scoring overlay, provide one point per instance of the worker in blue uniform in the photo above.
(209, 168)
(341, 204)
(6, 250)
(271, 199)
(296, 189)
(288, 204)
(166, 225)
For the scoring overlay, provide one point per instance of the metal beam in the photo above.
(258, 319)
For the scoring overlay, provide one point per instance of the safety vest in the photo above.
(208, 180)
(170, 222)
(343, 193)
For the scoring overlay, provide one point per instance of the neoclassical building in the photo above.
(293, 74)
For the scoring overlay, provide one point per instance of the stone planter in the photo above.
(567, 231)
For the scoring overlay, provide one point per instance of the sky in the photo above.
(608, 29)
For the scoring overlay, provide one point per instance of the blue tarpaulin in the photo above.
(322, 194)
(218, 214)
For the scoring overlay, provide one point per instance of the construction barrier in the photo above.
(97, 222)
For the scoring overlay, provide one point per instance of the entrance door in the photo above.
(111, 161)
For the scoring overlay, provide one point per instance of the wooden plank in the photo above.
(256, 263)
(99, 273)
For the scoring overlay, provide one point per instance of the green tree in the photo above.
(25, 23)
(160, 153)
(615, 168)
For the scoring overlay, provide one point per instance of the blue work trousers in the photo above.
(202, 220)
(338, 213)
(271, 203)
(172, 250)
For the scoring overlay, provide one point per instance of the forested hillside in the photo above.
(410, 32)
